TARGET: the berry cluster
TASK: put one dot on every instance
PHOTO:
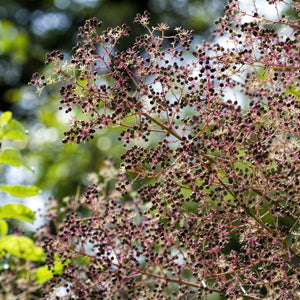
(217, 208)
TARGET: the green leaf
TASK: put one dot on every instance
(5, 117)
(13, 130)
(43, 273)
(191, 206)
(22, 247)
(17, 211)
(293, 90)
(46, 272)
(20, 191)
(3, 228)
(12, 156)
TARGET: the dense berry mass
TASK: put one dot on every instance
(217, 208)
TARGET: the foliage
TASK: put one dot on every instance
(218, 206)
(17, 252)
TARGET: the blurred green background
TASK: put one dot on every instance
(28, 30)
